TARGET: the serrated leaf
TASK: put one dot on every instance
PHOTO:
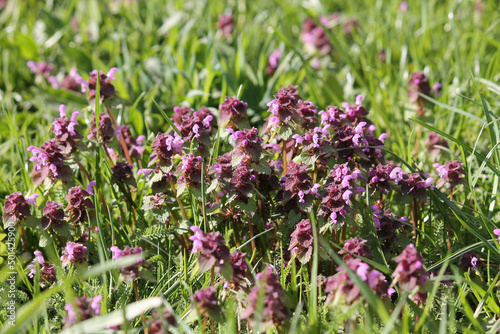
(250, 207)
(237, 158)
(285, 132)
(212, 186)
(44, 239)
(263, 167)
(307, 159)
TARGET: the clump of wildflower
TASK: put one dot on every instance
(106, 129)
(73, 253)
(315, 142)
(47, 271)
(433, 141)
(190, 173)
(107, 89)
(53, 216)
(49, 162)
(240, 271)
(241, 184)
(342, 286)
(340, 186)
(213, 251)
(355, 246)
(131, 272)
(206, 303)
(223, 168)
(81, 309)
(301, 242)
(307, 110)
(469, 260)
(315, 37)
(122, 172)
(72, 81)
(233, 113)
(355, 113)
(164, 148)
(451, 172)
(410, 273)
(380, 178)
(418, 84)
(387, 225)
(79, 203)
(333, 116)
(283, 111)
(42, 68)
(274, 311)
(134, 145)
(413, 184)
(247, 147)
(17, 208)
(298, 190)
(161, 322)
(273, 62)
(226, 24)
(64, 129)
(180, 113)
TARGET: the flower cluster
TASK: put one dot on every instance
(49, 162)
(71, 81)
(213, 251)
(47, 271)
(233, 113)
(107, 89)
(131, 272)
(134, 145)
(164, 148)
(122, 172)
(274, 311)
(66, 134)
(273, 62)
(247, 147)
(387, 226)
(81, 309)
(412, 184)
(53, 216)
(240, 272)
(17, 208)
(189, 173)
(298, 190)
(283, 110)
(106, 129)
(418, 84)
(73, 253)
(79, 203)
(226, 24)
(410, 273)
(355, 247)
(451, 172)
(301, 242)
(161, 322)
(206, 303)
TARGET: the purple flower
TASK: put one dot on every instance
(410, 273)
(213, 250)
(241, 184)
(106, 129)
(233, 113)
(131, 272)
(180, 113)
(403, 6)
(302, 241)
(206, 303)
(240, 272)
(53, 216)
(387, 226)
(86, 308)
(16, 208)
(418, 83)
(42, 68)
(107, 89)
(497, 233)
(274, 310)
(47, 271)
(247, 147)
(189, 173)
(433, 141)
(451, 172)
(298, 190)
(73, 253)
(122, 172)
(49, 162)
(436, 89)
(273, 62)
(226, 24)
(315, 37)
(380, 178)
(79, 203)
(164, 148)
(413, 184)
(283, 109)
(468, 261)
(64, 129)
(135, 147)
(355, 246)
(161, 322)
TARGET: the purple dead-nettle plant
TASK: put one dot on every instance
(74, 253)
(226, 24)
(54, 218)
(164, 148)
(469, 260)
(380, 179)
(342, 286)
(298, 190)
(130, 273)
(233, 113)
(350, 140)
(107, 89)
(205, 302)
(213, 251)
(284, 113)
(412, 184)
(410, 274)
(242, 184)
(194, 127)
(274, 310)
(180, 113)
(355, 113)
(333, 116)
(273, 62)
(314, 144)
(79, 203)
(122, 172)
(241, 274)
(17, 208)
(247, 147)
(134, 146)
(419, 84)
(189, 173)
(315, 37)
(387, 225)
(81, 309)
(307, 110)
(355, 246)
(161, 322)
(223, 169)
(434, 144)
(106, 129)
(67, 137)
(49, 163)
(72, 81)
(451, 172)
(301, 243)
(42, 68)
(339, 187)
(47, 271)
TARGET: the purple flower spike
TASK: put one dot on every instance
(302, 241)
(213, 251)
(16, 208)
(206, 303)
(47, 271)
(107, 89)
(73, 253)
(451, 172)
(86, 308)
(132, 272)
(233, 113)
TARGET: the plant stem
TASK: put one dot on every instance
(285, 157)
(184, 213)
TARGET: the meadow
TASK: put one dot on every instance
(249, 166)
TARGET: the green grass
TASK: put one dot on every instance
(169, 53)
